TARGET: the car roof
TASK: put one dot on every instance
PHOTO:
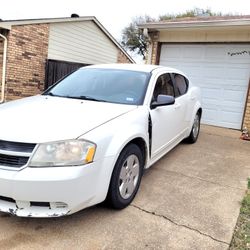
(134, 67)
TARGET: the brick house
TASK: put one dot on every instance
(215, 53)
(41, 51)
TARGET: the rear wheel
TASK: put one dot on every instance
(126, 177)
(192, 138)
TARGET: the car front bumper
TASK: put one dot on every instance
(54, 191)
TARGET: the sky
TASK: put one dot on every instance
(113, 14)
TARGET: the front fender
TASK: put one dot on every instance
(112, 137)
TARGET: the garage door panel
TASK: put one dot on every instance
(230, 119)
(192, 54)
(222, 72)
(171, 63)
(239, 59)
(234, 108)
(238, 53)
(209, 116)
(237, 73)
(211, 94)
(213, 71)
(234, 96)
(215, 53)
(173, 52)
(221, 118)
(238, 84)
(192, 69)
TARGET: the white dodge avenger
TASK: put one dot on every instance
(89, 137)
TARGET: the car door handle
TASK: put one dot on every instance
(177, 106)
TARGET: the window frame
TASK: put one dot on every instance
(171, 78)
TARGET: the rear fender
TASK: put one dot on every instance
(195, 97)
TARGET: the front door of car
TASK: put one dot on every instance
(165, 119)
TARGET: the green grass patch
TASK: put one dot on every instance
(245, 205)
(241, 236)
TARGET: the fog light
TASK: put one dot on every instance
(54, 205)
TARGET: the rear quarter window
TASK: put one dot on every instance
(181, 84)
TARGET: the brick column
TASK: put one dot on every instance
(155, 52)
(155, 47)
(246, 122)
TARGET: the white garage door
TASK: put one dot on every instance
(222, 71)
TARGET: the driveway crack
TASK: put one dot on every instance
(179, 225)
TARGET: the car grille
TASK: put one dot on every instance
(17, 146)
(15, 155)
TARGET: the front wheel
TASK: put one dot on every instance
(126, 177)
(192, 138)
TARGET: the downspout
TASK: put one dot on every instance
(4, 68)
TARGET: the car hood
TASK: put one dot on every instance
(44, 118)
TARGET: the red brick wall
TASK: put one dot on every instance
(121, 58)
(26, 57)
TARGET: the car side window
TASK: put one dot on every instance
(181, 84)
(163, 86)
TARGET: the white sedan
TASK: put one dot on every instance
(89, 137)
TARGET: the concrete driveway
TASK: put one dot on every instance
(188, 200)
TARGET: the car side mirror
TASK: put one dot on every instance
(162, 100)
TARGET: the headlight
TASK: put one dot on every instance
(63, 153)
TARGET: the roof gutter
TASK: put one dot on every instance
(195, 24)
(4, 68)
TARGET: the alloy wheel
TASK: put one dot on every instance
(129, 176)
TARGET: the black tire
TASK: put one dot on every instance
(114, 198)
(194, 134)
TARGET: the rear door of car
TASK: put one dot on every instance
(182, 100)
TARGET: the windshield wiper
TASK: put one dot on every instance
(51, 94)
(85, 97)
(82, 97)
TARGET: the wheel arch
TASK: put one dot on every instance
(142, 145)
(140, 142)
(199, 111)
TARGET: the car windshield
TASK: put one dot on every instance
(107, 85)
